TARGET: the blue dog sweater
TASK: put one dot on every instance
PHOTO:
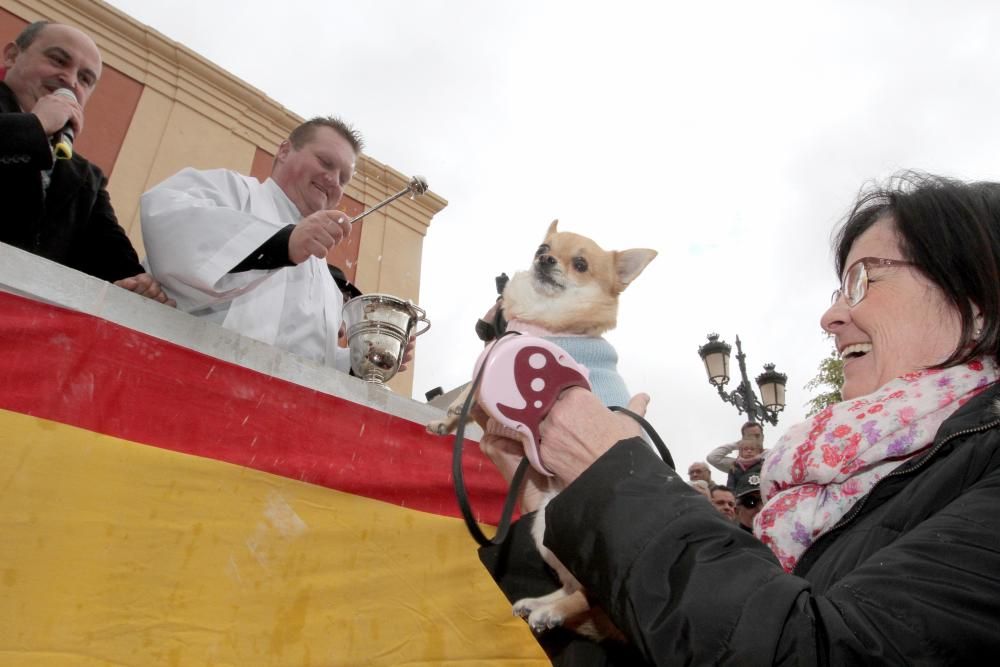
(601, 359)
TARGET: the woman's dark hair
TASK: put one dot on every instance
(951, 231)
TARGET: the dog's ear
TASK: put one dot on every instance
(552, 228)
(630, 263)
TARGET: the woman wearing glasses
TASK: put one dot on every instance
(880, 530)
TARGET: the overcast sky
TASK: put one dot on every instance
(729, 136)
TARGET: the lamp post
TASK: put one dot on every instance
(715, 355)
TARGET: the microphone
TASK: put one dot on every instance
(63, 146)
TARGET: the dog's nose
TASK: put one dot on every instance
(546, 259)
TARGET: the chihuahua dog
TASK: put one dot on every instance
(570, 296)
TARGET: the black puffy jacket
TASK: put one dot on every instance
(910, 576)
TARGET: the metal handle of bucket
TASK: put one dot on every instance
(421, 317)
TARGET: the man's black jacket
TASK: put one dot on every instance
(72, 222)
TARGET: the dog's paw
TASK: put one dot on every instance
(437, 428)
(540, 614)
(523, 607)
(545, 618)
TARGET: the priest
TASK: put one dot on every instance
(251, 256)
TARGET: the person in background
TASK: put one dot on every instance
(750, 455)
(879, 538)
(748, 502)
(59, 209)
(724, 501)
(699, 470)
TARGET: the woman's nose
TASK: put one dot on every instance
(836, 315)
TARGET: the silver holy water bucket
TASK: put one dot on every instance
(378, 328)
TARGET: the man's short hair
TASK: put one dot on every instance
(30, 34)
(721, 487)
(743, 429)
(303, 134)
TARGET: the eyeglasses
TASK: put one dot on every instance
(855, 286)
(749, 501)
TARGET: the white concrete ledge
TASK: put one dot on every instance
(40, 279)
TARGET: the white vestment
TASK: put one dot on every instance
(198, 225)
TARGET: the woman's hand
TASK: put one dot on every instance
(579, 429)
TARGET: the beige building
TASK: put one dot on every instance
(161, 107)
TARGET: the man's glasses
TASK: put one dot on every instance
(749, 501)
(855, 286)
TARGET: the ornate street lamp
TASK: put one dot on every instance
(715, 355)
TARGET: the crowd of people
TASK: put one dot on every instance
(739, 498)
(867, 534)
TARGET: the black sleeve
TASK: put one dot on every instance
(687, 587)
(23, 144)
(272, 254)
(672, 573)
(103, 249)
(74, 223)
(24, 154)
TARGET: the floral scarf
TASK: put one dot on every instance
(822, 466)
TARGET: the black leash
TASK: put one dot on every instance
(661, 447)
(459, 478)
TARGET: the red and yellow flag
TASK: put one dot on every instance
(160, 506)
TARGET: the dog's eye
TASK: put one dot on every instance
(580, 264)
(542, 249)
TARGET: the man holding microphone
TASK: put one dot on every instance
(59, 208)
